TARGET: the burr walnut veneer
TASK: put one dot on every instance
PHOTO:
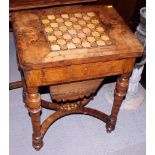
(72, 49)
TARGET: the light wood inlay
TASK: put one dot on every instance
(75, 31)
(51, 17)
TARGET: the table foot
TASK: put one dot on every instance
(110, 126)
(37, 143)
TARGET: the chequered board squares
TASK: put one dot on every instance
(74, 31)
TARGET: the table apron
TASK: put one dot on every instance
(65, 74)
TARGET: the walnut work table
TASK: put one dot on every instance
(72, 49)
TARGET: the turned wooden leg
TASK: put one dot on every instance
(34, 107)
(120, 92)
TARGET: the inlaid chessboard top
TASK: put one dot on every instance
(75, 31)
(71, 35)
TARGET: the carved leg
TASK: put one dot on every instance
(34, 107)
(120, 92)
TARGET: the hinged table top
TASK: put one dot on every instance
(73, 34)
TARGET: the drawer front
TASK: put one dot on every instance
(57, 75)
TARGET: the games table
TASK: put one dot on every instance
(71, 49)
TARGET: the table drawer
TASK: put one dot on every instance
(82, 71)
(65, 74)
